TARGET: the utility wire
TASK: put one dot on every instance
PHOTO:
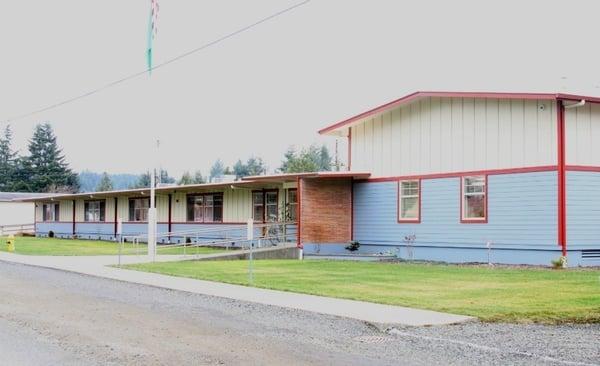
(163, 64)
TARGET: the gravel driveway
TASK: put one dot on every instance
(54, 317)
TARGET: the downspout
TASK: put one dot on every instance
(562, 181)
(349, 148)
(73, 219)
(169, 223)
(299, 214)
(116, 228)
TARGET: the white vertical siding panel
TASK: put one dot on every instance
(378, 145)
(109, 213)
(554, 131)
(369, 145)
(396, 142)
(468, 134)
(123, 208)
(530, 137)
(517, 131)
(39, 214)
(436, 135)
(480, 134)
(595, 134)
(80, 211)
(405, 140)
(179, 213)
(415, 137)
(440, 135)
(457, 135)
(584, 133)
(386, 157)
(425, 144)
(356, 153)
(504, 134)
(571, 136)
(446, 128)
(65, 210)
(162, 208)
(544, 132)
(492, 131)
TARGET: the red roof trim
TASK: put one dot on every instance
(423, 94)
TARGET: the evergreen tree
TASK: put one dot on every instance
(105, 183)
(165, 178)
(217, 169)
(8, 161)
(143, 181)
(256, 166)
(240, 169)
(21, 178)
(253, 166)
(311, 159)
(324, 159)
(199, 178)
(46, 166)
(186, 178)
(288, 157)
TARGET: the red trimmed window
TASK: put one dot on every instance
(265, 206)
(50, 212)
(138, 209)
(409, 201)
(94, 211)
(205, 207)
(474, 198)
(292, 204)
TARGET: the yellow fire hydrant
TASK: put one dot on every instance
(10, 243)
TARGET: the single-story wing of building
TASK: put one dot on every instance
(17, 216)
(443, 176)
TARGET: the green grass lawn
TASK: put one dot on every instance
(490, 293)
(47, 246)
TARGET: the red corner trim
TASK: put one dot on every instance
(562, 200)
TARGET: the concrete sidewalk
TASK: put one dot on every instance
(360, 310)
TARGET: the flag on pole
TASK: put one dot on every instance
(152, 30)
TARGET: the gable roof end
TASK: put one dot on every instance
(336, 127)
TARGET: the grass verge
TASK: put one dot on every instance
(53, 246)
(493, 294)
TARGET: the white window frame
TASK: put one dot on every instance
(53, 217)
(464, 194)
(402, 196)
(95, 212)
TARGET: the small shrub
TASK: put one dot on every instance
(353, 246)
(560, 262)
(51, 234)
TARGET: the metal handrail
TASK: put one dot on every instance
(16, 229)
(280, 237)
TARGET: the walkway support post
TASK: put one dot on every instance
(250, 237)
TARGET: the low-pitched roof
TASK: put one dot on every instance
(12, 196)
(247, 182)
(332, 129)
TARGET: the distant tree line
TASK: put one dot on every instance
(43, 169)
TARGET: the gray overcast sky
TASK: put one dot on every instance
(276, 84)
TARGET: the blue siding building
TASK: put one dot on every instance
(476, 177)
(442, 176)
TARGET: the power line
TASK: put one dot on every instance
(165, 63)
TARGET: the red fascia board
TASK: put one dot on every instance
(582, 168)
(573, 97)
(533, 169)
